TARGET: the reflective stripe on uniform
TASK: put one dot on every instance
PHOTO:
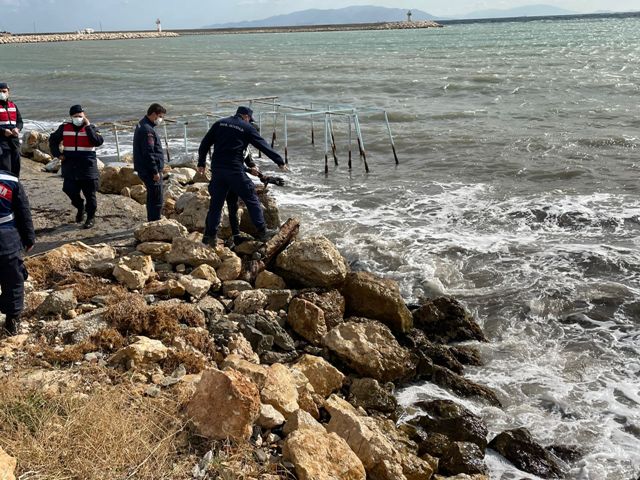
(7, 219)
(8, 178)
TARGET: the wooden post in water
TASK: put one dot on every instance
(333, 142)
(393, 145)
(363, 153)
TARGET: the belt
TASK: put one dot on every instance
(7, 219)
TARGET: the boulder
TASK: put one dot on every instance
(81, 328)
(307, 320)
(183, 175)
(368, 394)
(207, 272)
(53, 166)
(278, 299)
(256, 373)
(113, 179)
(7, 466)
(312, 262)
(300, 420)
(235, 286)
(250, 301)
(269, 325)
(143, 351)
(171, 288)
(134, 271)
(280, 389)
(156, 250)
(211, 306)
(190, 161)
(195, 287)
(163, 230)
(230, 269)
(323, 376)
(322, 456)
(191, 252)
(521, 449)
(370, 349)
(332, 304)
(270, 281)
(41, 157)
(270, 417)
(308, 399)
(139, 194)
(225, 406)
(30, 141)
(80, 255)
(463, 457)
(191, 211)
(370, 296)
(461, 386)
(270, 211)
(58, 303)
(445, 320)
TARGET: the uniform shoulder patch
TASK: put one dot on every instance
(6, 193)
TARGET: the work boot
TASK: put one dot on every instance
(11, 324)
(80, 215)
(210, 241)
(91, 221)
(238, 239)
(266, 234)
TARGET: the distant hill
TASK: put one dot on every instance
(526, 11)
(355, 14)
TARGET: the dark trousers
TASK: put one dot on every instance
(12, 277)
(154, 198)
(232, 207)
(88, 188)
(224, 182)
(10, 159)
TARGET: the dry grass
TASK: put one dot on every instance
(47, 270)
(192, 362)
(85, 286)
(69, 354)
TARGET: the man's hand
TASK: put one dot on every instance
(284, 168)
(156, 177)
(61, 157)
(85, 121)
(201, 170)
(15, 132)
(255, 171)
(7, 132)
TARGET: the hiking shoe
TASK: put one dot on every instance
(91, 221)
(210, 241)
(80, 215)
(11, 324)
(266, 234)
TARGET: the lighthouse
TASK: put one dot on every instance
(409, 16)
(159, 25)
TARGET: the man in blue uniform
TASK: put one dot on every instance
(10, 126)
(148, 158)
(230, 137)
(79, 162)
(16, 234)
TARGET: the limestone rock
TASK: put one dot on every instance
(307, 320)
(156, 250)
(445, 320)
(163, 230)
(58, 303)
(313, 262)
(211, 306)
(183, 175)
(308, 399)
(239, 345)
(368, 394)
(322, 456)
(207, 272)
(139, 194)
(191, 252)
(370, 349)
(280, 389)
(114, 179)
(142, 351)
(373, 297)
(171, 288)
(195, 287)
(270, 417)
(53, 166)
(324, 377)
(134, 271)
(225, 406)
(300, 420)
(250, 301)
(41, 157)
(10, 345)
(271, 281)
(7, 466)
(230, 269)
(270, 211)
(235, 286)
(256, 373)
(332, 304)
(81, 328)
(278, 299)
(191, 211)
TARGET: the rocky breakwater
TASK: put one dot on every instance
(275, 349)
(70, 37)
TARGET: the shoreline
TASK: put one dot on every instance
(73, 37)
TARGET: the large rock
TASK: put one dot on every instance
(271, 281)
(114, 179)
(322, 456)
(445, 320)
(370, 349)
(520, 448)
(332, 304)
(183, 175)
(7, 466)
(143, 351)
(370, 296)
(300, 420)
(231, 266)
(195, 287)
(156, 250)
(41, 157)
(207, 272)
(280, 390)
(250, 301)
(58, 303)
(191, 211)
(139, 194)
(192, 252)
(81, 328)
(270, 211)
(307, 320)
(80, 255)
(463, 457)
(313, 262)
(163, 230)
(462, 386)
(270, 417)
(324, 377)
(368, 394)
(134, 271)
(225, 406)
(256, 373)
(171, 288)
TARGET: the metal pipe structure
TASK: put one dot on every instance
(275, 123)
(334, 150)
(393, 145)
(326, 144)
(350, 141)
(115, 132)
(286, 141)
(363, 153)
(186, 137)
(313, 135)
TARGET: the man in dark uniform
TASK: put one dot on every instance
(230, 137)
(16, 234)
(79, 162)
(10, 126)
(148, 158)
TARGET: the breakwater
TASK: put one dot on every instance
(71, 37)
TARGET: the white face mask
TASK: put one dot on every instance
(159, 120)
(4, 97)
(77, 121)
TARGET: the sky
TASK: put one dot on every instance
(21, 16)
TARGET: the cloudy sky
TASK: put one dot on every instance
(64, 15)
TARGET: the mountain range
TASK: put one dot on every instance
(372, 14)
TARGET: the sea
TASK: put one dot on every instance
(517, 189)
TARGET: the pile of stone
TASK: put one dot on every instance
(68, 37)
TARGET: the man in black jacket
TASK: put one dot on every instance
(10, 126)
(148, 158)
(230, 137)
(16, 234)
(79, 162)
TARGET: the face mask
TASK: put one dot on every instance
(3, 97)
(77, 121)
(159, 120)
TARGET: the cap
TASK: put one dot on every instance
(76, 109)
(245, 111)
(3, 85)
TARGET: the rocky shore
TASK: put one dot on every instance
(70, 37)
(146, 354)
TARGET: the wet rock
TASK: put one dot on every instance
(368, 394)
(164, 230)
(134, 271)
(461, 386)
(256, 373)
(323, 376)
(191, 252)
(374, 297)
(370, 349)
(322, 456)
(467, 355)
(7, 466)
(417, 341)
(312, 262)
(156, 250)
(114, 179)
(250, 301)
(331, 302)
(143, 351)
(207, 272)
(445, 320)
(567, 453)
(195, 287)
(520, 448)
(307, 320)
(225, 406)
(58, 303)
(270, 417)
(453, 420)
(280, 390)
(462, 457)
(271, 281)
